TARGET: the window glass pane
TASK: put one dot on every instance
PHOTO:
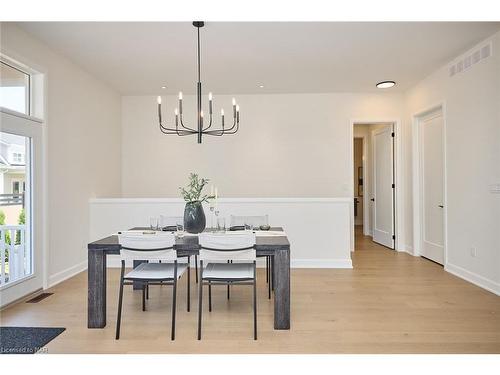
(15, 208)
(14, 89)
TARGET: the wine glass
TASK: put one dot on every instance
(153, 223)
(179, 228)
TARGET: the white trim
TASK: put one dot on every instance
(66, 274)
(221, 200)
(22, 115)
(114, 262)
(473, 278)
(399, 170)
(416, 179)
(18, 281)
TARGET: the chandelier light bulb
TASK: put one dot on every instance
(180, 95)
(234, 102)
(201, 113)
(158, 99)
(237, 108)
(176, 111)
(222, 112)
(209, 96)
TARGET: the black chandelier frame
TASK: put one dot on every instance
(184, 130)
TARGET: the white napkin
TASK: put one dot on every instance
(270, 233)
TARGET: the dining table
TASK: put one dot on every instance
(274, 244)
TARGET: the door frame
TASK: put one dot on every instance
(417, 179)
(398, 176)
(32, 127)
(366, 212)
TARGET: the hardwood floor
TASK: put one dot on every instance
(389, 303)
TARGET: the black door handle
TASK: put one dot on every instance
(440, 206)
(373, 199)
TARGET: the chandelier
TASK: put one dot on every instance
(202, 128)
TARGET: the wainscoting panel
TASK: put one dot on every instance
(318, 228)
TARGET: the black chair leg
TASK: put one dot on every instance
(200, 302)
(267, 269)
(271, 272)
(174, 305)
(269, 289)
(144, 297)
(188, 287)
(210, 296)
(228, 292)
(196, 267)
(254, 304)
(120, 301)
(147, 291)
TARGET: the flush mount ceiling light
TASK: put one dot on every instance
(200, 129)
(385, 84)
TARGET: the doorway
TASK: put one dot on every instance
(375, 187)
(21, 185)
(429, 192)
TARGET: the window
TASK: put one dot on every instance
(17, 157)
(14, 89)
(15, 187)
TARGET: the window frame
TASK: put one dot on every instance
(27, 94)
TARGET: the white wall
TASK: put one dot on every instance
(294, 145)
(82, 119)
(472, 115)
(318, 228)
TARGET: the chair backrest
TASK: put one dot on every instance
(170, 221)
(147, 246)
(254, 221)
(227, 246)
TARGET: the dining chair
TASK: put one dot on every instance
(255, 222)
(220, 247)
(170, 223)
(154, 247)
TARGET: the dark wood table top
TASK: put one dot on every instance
(190, 243)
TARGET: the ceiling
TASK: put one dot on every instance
(138, 58)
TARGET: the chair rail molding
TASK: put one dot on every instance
(318, 228)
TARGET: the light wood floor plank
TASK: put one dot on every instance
(389, 303)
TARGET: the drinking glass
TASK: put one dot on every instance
(221, 224)
(179, 226)
(248, 226)
(153, 223)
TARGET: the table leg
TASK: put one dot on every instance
(281, 273)
(96, 313)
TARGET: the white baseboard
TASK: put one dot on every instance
(408, 249)
(473, 278)
(67, 273)
(321, 263)
(114, 262)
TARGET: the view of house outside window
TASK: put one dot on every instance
(12, 199)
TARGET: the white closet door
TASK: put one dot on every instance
(383, 198)
(432, 187)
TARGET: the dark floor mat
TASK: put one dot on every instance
(26, 340)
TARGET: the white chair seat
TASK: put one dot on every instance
(228, 271)
(156, 271)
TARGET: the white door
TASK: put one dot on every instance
(383, 188)
(21, 234)
(431, 162)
